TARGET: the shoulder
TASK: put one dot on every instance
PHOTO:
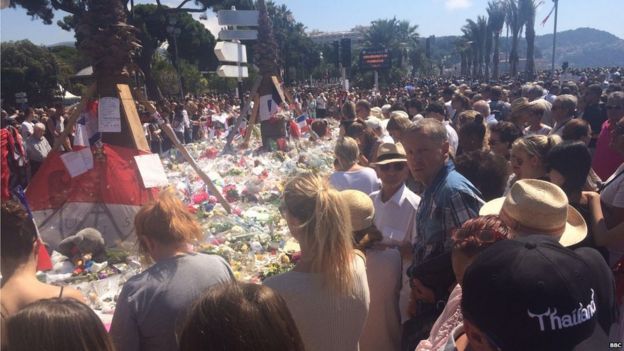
(411, 197)
(74, 294)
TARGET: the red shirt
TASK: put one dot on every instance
(606, 160)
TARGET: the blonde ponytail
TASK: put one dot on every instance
(325, 227)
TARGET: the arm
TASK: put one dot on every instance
(602, 235)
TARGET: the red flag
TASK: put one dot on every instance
(548, 16)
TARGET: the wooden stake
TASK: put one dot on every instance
(243, 113)
(170, 133)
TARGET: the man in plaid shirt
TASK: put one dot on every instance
(448, 201)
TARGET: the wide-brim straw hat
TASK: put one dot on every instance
(361, 209)
(390, 153)
(537, 207)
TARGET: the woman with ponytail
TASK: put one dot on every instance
(327, 291)
(153, 304)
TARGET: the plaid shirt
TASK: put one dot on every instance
(446, 204)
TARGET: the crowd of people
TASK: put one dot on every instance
(459, 216)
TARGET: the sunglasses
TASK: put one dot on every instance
(614, 107)
(397, 166)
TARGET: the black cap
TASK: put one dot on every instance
(534, 294)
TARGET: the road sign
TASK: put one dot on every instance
(229, 52)
(238, 35)
(228, 71)
(238, 18)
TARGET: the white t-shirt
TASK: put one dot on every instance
(382, 330)
(452, 136)
(613, 195)
(28, 128)
(364, 180)
(326, 320)
(395, 219)
(321, 103)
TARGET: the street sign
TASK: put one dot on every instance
(228, 71)
(229, 52)
(238, 34)
(238, 17)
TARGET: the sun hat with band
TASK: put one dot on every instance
(361, 209)
(390, 153)
(534, 294)
(538, 207)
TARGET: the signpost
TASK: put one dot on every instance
(234, 51)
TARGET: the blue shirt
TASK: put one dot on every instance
(446, 204)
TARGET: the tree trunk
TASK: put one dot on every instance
(513, 56)
(475, 63)
(462, 66)
(104, 36)
(495, 59)
(530, 39)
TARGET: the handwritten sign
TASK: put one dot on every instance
(109, 117)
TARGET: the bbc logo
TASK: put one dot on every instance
(615, 345)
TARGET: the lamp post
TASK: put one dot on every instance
(175, 32)
(554, 37)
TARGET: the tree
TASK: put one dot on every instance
(102, 33)
(514, 23)
(527, 10)
(28, 68)
(496, 21)
(297, 53)
(396, 36)
(69, 61)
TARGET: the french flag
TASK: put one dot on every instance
(302, 122)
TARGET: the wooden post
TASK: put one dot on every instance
(252, 121)
(74, 117)
(132, 117)
(170, 133)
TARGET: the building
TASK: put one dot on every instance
(356, 35)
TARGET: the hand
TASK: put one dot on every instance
(589, 198)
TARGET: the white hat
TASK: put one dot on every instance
(373, 122)
(537, 207)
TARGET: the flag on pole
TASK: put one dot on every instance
(548, 16)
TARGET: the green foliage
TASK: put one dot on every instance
(69, 61)
(194, 82)
(166, 76)
(29, 68)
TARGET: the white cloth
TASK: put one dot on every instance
(395, 219)
(386, 138)
(327, 321)
(37, 150)
(382, 330)
(452, 137)
(364, 180)
(27, 129)
(449, 109)
(544, 130)
(613, 196)
(321, 103)
(491, 120)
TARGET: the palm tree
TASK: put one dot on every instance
(527, 10)
(482, 34)
(394, 35)
(514, 23)
(496, 21)
(462, 46)
(475, 32)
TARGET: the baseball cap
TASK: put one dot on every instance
(534, 294)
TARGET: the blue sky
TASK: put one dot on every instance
(433, 17)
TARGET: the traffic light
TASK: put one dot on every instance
(345, 52)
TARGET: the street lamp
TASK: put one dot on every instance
(175, 32)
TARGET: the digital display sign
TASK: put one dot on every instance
(375, 59)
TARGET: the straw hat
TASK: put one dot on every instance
(537, 207)
(376, 112)
(389, 153)
(361, 208)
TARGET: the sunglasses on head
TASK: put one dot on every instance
(397, 166)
